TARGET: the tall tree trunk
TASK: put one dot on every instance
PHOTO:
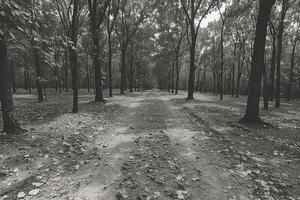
(172, 76)
(278, 58)
(28, 82)
(66, 71)
(88, 77)
(38, 73)
(273, 64)
(289, 86)
(214, 84)
(73, 56)
(192, 65)
(131, 71)
(177, 72)
(13, 77)
(233, 70)
(109, 65)
(222, 62)
(204, 80)
(123, 68)
(265, 89)
(10, 125)
(97, 68)
(257, 65)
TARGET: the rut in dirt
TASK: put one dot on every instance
(152, 170)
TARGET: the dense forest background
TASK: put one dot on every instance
(132, 45)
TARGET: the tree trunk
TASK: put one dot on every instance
(222, 62)
(257, 65)
(233, 70)
(10, 125)
(73, 56)
(265, 89)
(66, 71)
(214, 87)
(273, 64)
(38, 72)
(192, 65)
(131, 72)
(123, 68)
(109, 65)
(13, 77)
(289, 86)
(172, 76)
(177, 72)
(278, 58)
(28, 82)
(88, 77)
(97, 67)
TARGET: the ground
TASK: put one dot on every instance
(150, 145)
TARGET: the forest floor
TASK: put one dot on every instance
(150, 145)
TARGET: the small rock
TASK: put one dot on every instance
(34, 192)
(21, 195)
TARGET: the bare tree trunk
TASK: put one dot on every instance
(289, 86)
(109, 65)
(172, 76)
(66, 71)
(233, 70)
(123, 69)
(273, 64)
(279, 51)
(192, 65)
(10, 125)
(73, 56)
(257, 65)
(13, 77)
(131, 71)
(265, 89)
(177, 72)
(222, 62)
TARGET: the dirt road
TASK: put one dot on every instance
(155, 150)
(150, 145)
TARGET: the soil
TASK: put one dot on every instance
(150, 145)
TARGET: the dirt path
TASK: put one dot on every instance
(149, 146)
(151, 149)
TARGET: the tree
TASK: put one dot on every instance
(113, 10)
(69, 12)
(257, 66)
(195, 11)
(10, 11)
(284, 8)
(132, 15)
(97, 13)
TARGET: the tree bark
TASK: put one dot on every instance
(289, 86)
(265, 89)
(10, 125)
(123, 68)
(257, 65)
(109, 65)
(191, 85)
(279, 51)
(222, 61)
(131, 71)
(73, 56)
(172, 76)
(273, 64)
(66, 71)
(233, 70)
(177, 72)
